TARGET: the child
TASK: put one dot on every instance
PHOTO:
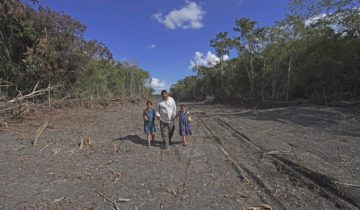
(184, 123)
(149, 122)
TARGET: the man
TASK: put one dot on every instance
(165, 112)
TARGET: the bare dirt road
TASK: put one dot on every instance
(285, 158)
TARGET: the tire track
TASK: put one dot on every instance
(208, 179)
(327, 188)
(243, 172)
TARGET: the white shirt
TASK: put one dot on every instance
(166, 109)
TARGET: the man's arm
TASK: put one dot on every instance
(174, 109)
(157, 110)
(177, 115)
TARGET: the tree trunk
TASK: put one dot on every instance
(199, 83)
(131, 85)
(263, 81)
(222, 74)
(324, 96)
(252, 75)
(49, 98)
(274, 80)
(289, 79)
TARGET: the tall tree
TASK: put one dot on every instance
(248, 44)
(222, 45)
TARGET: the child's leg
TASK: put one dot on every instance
(149, 138)
(153, 137)
(184, 139)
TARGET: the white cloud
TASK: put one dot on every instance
(153, 46)
(158, 85)
(208, 60)
(188, 17)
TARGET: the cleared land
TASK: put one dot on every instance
(300, 157)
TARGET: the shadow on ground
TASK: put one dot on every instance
(138, 140)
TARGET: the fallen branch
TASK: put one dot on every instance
(58, 200)
(22, 147)
(21, 110)
(115, 148)
(108, 199)
(81, 142)
(276, 152)
(3, 123)
(34, 93)
(56, 151)
(84, 140)
(44, 148)
(39, 131)
(260, 207)
(347, 184)
(7, 109)
(123, 199)
(117, 174)
(161, 206)
(171, 190)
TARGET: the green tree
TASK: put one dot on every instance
(222, 45)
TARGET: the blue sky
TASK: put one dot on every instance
(162, 36)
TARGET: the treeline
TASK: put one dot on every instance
(312, 54)
(45, 46)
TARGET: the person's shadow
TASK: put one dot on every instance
(138, 140)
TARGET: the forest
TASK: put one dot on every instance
(43, 48)
(313, 54)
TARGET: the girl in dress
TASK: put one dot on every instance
(149, 122)
(184, 124)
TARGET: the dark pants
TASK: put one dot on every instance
(167, 131)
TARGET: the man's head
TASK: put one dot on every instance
(164, 95)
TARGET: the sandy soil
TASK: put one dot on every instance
(285, 158)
